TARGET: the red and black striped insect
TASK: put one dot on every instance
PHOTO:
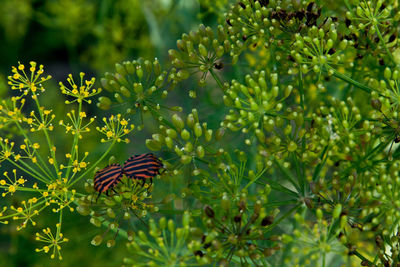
(144, 166)
(107, 178)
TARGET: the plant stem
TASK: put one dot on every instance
(217, 79)
(94, 165)
(346, 78)
(378, 32)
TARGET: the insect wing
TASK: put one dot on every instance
(107, 178)
(142, 166)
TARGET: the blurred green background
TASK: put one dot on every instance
(69, 36)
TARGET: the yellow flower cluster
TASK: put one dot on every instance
(53, 241)
(28, 83)
(115, 128)
(38, 160)
(79, 92)
(11, 186)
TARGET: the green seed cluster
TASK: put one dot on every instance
(129, 199)
(234, 230)
(201, 52)
(166, 244)
(190, 140)
(141, 83)
(254, 105)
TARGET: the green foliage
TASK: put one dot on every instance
(278, 130)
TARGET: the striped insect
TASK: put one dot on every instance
(144, 166)
(107, 178)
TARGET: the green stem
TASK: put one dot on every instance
(384, 44)
(47, 172)
(217, 79)
(93, 166)
(346, 78)
(361, 257)
(49, 143)
(301, 90)
(75, 142)
(24, 189)
(27, 171)
(287, 214)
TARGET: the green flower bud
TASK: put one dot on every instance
(110, 213)
(219, 134)
(171, 133)
(118, 97)
(186, 219)
(139, 72)
(337, 211)
(171, 225)
(178, 122)
(126, 216)
(158, 137)
(125, 91)
(95, 221)
(200, 151)
(180, 232)
(190, 120)
(387, 73)
(110, 243)
(188, 147)
(292, 146)
(162, 223)
(183, 74)
(185, 159)
(208, 135)
(142, 236)
(153, 145)
(197, 130)
(185, 134)
(288, 90)
(169, 142)
(203, 50)
(138, 88)
(120, 69)
(96, 241)
(260, 135)
(319, 214)
(109, 202)
(83, 210)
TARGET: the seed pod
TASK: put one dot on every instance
(96, 241)
(376, 104)
(83, 210)
(337, 210)
(185, 134)
(153, 145)
(267, 220)
(178, 122)
(209, 211)
(95, 221)
(203, 50)
(200, 151)
(185, 159)
(197, 130)
(110, 213)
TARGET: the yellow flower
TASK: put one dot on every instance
(36, 146)
(12, 189)
(2, 182)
